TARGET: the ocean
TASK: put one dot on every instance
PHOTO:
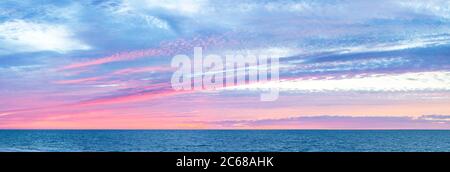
(224, 140)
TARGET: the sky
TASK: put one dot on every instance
(95, 64)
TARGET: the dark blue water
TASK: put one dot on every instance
(224, 140)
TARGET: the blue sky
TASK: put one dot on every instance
(106, 64)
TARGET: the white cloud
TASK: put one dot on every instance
(154, 21)
(417, 81)
(24, 36)
(185, 7)
(439, 8)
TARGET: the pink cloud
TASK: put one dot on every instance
(142, 70)
(166, 49)
(136, 97)
(78, 81)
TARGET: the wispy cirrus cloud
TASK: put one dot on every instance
(63, 59)
(420, 81)
(166, 49)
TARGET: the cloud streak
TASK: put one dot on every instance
(83, 64)
(342, 122)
